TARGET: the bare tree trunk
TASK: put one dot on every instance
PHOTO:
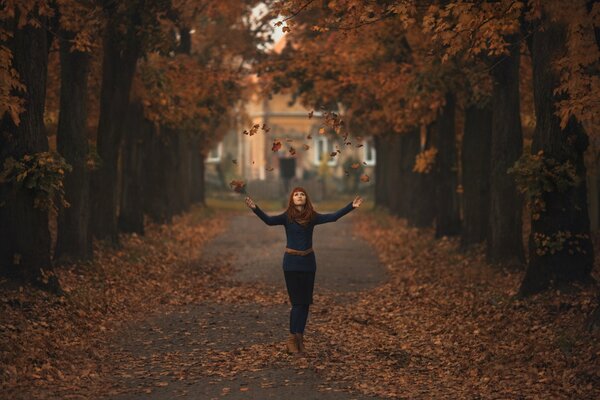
(74, 241)
(121, 51)
(394, 173)
(131, 211)
(447, 209)
(197, 172)
(381, 199)
(423, 205)
(505, 244)
(476, 174)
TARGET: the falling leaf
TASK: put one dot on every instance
(276, 145)
(286, 29)
(237, 185)
(359, 145)
(234, 161)
(309, 136)
(321, 131)
(364, 178)
(292, 151)
(305, 146)
(310, 114)
(333, 153)
(355, 165)
(269, 168)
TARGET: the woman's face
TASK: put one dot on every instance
(299, 198)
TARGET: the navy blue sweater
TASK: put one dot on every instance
(299, 237)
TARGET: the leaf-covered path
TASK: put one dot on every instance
(197, 309)
(232, 344)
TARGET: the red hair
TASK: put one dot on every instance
(305, 216)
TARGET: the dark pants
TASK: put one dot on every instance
(298, 317)
(300, 290)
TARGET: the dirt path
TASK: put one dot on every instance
(231, 346)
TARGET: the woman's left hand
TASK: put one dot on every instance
(356, 202)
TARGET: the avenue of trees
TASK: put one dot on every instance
(496, 101)
(108, 109)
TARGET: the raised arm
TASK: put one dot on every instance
(331, 217)
(270, 220)
(275, 220)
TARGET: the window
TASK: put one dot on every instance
(369, 154)
(323, 147)
(215, 153)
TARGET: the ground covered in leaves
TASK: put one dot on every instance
(443, 325)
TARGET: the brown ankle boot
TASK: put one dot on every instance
(300, 340)
(292, 343)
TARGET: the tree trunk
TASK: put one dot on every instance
(121, 52)
(197, 173)
(476, 174)
(131, 211)
(181, 172)
(422, 213)
(74, 241)
(446, 179)
(156, 176)
(505, 244)
(566, 212)
(24, 234)
(409, 147)
(380, 172)
(394, 173)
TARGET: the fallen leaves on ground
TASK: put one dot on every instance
(444, 325)
(52, 346)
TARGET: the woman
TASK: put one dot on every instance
(299, 264)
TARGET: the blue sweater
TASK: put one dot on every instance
(299, 237)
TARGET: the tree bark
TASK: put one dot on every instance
(409, 148)
(74, 241)
(566, 211)
(505, 244)
(197, 173)
(121, 51)
(476, 174)
(24, 234)
(380, 172)
(422, 213)
(156, 176)
(131, 211)
(394, 173)
(446, 179)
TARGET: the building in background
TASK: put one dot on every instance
(241, 156)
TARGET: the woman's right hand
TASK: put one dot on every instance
(250, 203)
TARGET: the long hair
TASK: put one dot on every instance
(305, 216)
